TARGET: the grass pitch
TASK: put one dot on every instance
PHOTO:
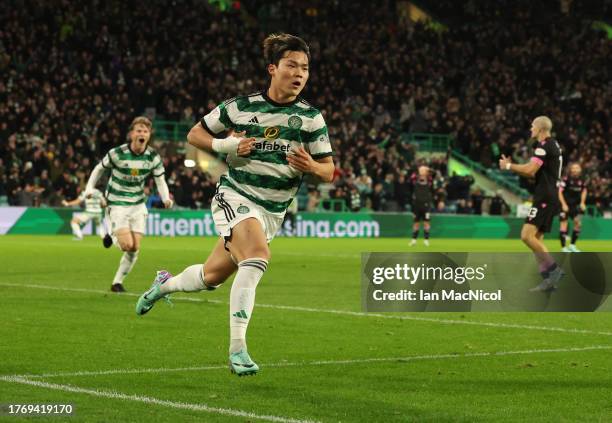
(67, 339)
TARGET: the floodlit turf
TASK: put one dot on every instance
(319, 362)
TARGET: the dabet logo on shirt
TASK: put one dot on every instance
(266, 146)
(271, 133)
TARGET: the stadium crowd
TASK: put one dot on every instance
(75, 74)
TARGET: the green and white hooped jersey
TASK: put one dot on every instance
(93, 204)
(265, 176)
(128, 174)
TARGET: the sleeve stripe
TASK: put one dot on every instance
(205, 126)
(537, 160)
(322, 155)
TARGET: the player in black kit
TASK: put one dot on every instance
(545, 166)
(572, 195)
(422, 199)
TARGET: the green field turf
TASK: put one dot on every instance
(321, 358)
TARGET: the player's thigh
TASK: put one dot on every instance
(529, 232)
(124, 239)
(248, 240)
(219, 265)
(80, 218)
(119, 218)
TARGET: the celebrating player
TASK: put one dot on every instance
(129, 165)
(281, 138)
(422, 186)
(545, 166)
(572, 195)
(93, 211)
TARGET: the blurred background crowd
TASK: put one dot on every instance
(74, 74)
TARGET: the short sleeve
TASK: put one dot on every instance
(316, 140)
(107, 162)
(218, 120)
(539, 155)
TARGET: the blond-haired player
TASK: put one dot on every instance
(129, 165)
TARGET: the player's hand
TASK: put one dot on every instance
(582, 207)
(64, 203)
(299, 159)
(245, 146)
(504, 162)
(565, 208)
(168, 204)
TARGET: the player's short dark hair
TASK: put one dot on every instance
(275, 46)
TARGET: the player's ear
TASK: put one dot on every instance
(271, 69)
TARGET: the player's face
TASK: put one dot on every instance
(139, 137)
(575, 170)
(534, 130)
(291, 74)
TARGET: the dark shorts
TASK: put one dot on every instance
(541, 215)
(421, 212)
(573, 212)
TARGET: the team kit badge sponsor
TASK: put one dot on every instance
(271, 133)
(295, 122)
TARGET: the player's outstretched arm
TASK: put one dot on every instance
(93, 179)
(163, 190)
(235, 143)
(322, 168)
(71, 203)
(527, 170)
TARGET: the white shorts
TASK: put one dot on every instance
(133, 218)
(230, 208)
(85, 217)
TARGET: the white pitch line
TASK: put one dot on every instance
(339, 312)
(150, 400)
(317, 362)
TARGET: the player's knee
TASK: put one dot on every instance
(526, 237)
(126, 245)
(257, 251)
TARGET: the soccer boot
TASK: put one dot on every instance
(413, 242)
(117, 287)
(555, 276)
(545, 286)
(426, 242)
(241, 364)
(573, 248)
(146, 300)
(566, 250)
(107, 241)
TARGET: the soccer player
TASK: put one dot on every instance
(93, 211)
(422, 184)
(282, 138)
(545, 166)
(129, 165)
(572, 195)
